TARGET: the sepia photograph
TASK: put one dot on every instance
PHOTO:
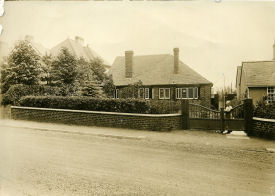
(137, 98)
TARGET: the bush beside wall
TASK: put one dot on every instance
(96, 104)
(15, 92)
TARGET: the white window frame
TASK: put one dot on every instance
(146, 93)
(179, 93)
(164, 93)
(145, 96)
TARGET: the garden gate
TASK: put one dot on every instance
(200, 117)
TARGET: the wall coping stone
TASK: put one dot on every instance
(97, 112)
(264, 119)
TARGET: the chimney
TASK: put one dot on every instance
(274, 51)
(79, 40)
(29, 38)
(129, 64)
(176, 60)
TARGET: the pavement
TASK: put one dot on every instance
(56, 159)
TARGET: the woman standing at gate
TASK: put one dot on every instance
(228, 115)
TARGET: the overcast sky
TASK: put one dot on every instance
(213, 38)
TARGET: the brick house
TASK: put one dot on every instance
(163, 76)
(256, 79)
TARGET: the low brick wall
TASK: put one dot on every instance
(95, 118)
(264, 127)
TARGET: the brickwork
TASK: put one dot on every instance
(105, 119)
(264, 128)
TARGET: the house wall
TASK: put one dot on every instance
(204, 93)
(257, 93)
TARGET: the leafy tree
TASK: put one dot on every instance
(21, 67)
(92, 89)
(108, 86)
(131, 91)
(64, 68)
(46, 66)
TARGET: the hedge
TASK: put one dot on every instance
(264, 110)
(15, 92)
(97, 104)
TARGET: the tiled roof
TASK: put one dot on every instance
(77, 49)
(155, 70)
(259, 73)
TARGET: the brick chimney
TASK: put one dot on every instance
(176, 60)
(129, 64)
(79, 40)
(29, 38)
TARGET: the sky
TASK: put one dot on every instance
(213, 37)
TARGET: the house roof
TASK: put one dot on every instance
(259, 73)
(155, 70)
(78, 50)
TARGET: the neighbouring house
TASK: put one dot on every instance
(256, 79)
(39, 48)
(164, 77)
(78, 49)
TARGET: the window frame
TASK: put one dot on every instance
(194, 89)
(164, 93)
(145, 91)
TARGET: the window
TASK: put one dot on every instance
(184, 93)
(164, 93)
(146, 93)
(116, 95)
(178, 93)
(271, 94)
(143, 93)
(187, 93)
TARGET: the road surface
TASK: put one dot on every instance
(49, 159)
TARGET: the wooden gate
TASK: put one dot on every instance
(200, 117)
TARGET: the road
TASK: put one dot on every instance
(50, 159)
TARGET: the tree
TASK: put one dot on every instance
(21, 67)
(108, 86)
(92, 89)
(64, 68)
(46, 66)
(131, 91)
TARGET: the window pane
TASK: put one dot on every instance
(184, 93)
(141, 93)
(178, 93)
(195, 93)
(190, 93)
(161, 93)
(167, 93)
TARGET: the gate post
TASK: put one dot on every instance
(185, 122)
(222, 120)
(248, 116)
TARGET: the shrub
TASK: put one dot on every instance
(98, 104)
(264, 110)
(15, 92)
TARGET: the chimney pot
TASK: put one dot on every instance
(176, 60)
(129, 64)
(79, 40)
